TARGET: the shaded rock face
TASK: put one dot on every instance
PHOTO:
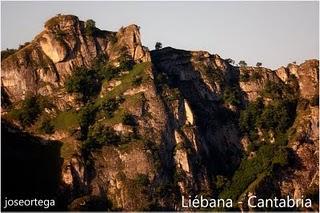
(44, 65)
(303, 177)
(307, 74)
(191, 73)
(308, 78)
(260, 77)
(185, 130)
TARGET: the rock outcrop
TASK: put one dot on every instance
(43, 66)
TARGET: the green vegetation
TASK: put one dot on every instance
(136, 100)
(139, 190)
(215, 76)
(7, 52)
(232, 96)
(99, 136)
(242, 63)
(125, 63)
(116, 118)
(278, 117)
(85, 82)
(96, 135)
(161, 79)
(90, 27)
(279, 91)
(137, 80)
(273, 90)
(245, 76)
(267, 158)
(47, 126)
(142, 180)
(59, 34)
(158, 45)
(127, 80)
(23, 45)
(255, 75)
(221, 182)
(128, 119)
(66, 120)
(110, 106)
(275, 117)
(30, 109)
(87, 117)
(170, 94)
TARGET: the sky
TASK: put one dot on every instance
(274, 33)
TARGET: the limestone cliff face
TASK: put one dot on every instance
(201, 79)
(302, 178)
(42, 66)
(174, 124)
(258, 78)
(308, 78)
(307, 75)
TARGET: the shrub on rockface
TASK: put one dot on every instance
(158, 45)
(110, 106)
(90, 27)
(7, 52)
(249, 117)
(277, 116)
(86, 118)
(126, 63)
(30, 109)
(245, 76)
(272, 90)
(242, 63)
(232, 96)
(85, 82)
(128, 119)
(47, 126)
(142, 180)
(99, 136)
(267, 158)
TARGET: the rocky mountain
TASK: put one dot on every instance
(114, 126)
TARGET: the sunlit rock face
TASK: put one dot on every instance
(43, 65)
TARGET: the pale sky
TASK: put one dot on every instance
(274, 33)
